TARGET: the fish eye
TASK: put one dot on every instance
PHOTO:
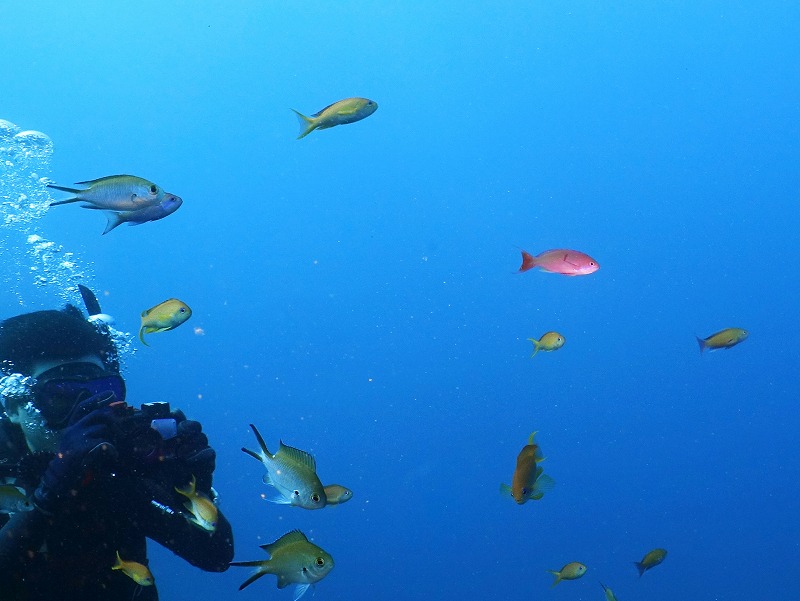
(315, 498)
(153, 189)
(182, 310)
(320, 562)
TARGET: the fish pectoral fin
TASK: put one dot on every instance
(505, 490)
(543, 484)
(300, 590)
(278, 498)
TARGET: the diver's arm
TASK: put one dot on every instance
(162, 522)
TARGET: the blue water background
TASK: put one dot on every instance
(356, 289)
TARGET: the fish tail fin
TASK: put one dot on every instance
(252, 454)
(640, 566)
(188, 490)
(505, 490)
(260, 440)
(118, 563)
(261, 570)
(307, 124)
(74, 198)
(701, 342)
(528, 261)
(114, 219)
(557, 575)
(530, 438)
(535, 346)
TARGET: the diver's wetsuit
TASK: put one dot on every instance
(69, 555)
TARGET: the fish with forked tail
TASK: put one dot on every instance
(292, 472)
(344, 111)
(166, 207)
(294, 560)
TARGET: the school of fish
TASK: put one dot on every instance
(291, 472)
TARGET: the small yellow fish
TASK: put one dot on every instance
(136, 571)
(571, 571)
(337, 494)
(609, 593)
(344, 111)
(550, 341)
(293, 560)
(13, 500)
(528, 482)
(203, 510)
(164, 316)
(650, 560)
(723, 339)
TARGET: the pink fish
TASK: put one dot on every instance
(565, 262)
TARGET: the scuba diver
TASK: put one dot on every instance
(85, 478)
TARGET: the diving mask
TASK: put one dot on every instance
(59, 390)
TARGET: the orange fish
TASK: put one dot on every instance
(528, 481)
(565, 262)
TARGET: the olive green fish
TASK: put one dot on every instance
(344, 111)
(650, 560)
(204, 512)
(13, 500)
(164, 316)
(136, 571)
(571, 571)
(550, 341)
(293, 473)
(293, 560)
(723, 339)
(113, 193)
(336, 494)
(529, 481)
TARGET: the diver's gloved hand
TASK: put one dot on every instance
(193, 451)
(86, 443)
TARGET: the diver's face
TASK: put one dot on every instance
(57, 389)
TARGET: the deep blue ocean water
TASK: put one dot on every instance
(355, 294)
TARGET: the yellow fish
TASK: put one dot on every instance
(550, 341)
(136, 571)
(723, 339)
(293, 560)
(204, 512)
(337, 494)
(164, 316)
(571, 571)
(650, 560)
(344, 111)
(529, 481)
(609, 593)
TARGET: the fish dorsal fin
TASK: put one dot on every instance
(297, 456)
(90, 182)
(295, 536)
(530, 438)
